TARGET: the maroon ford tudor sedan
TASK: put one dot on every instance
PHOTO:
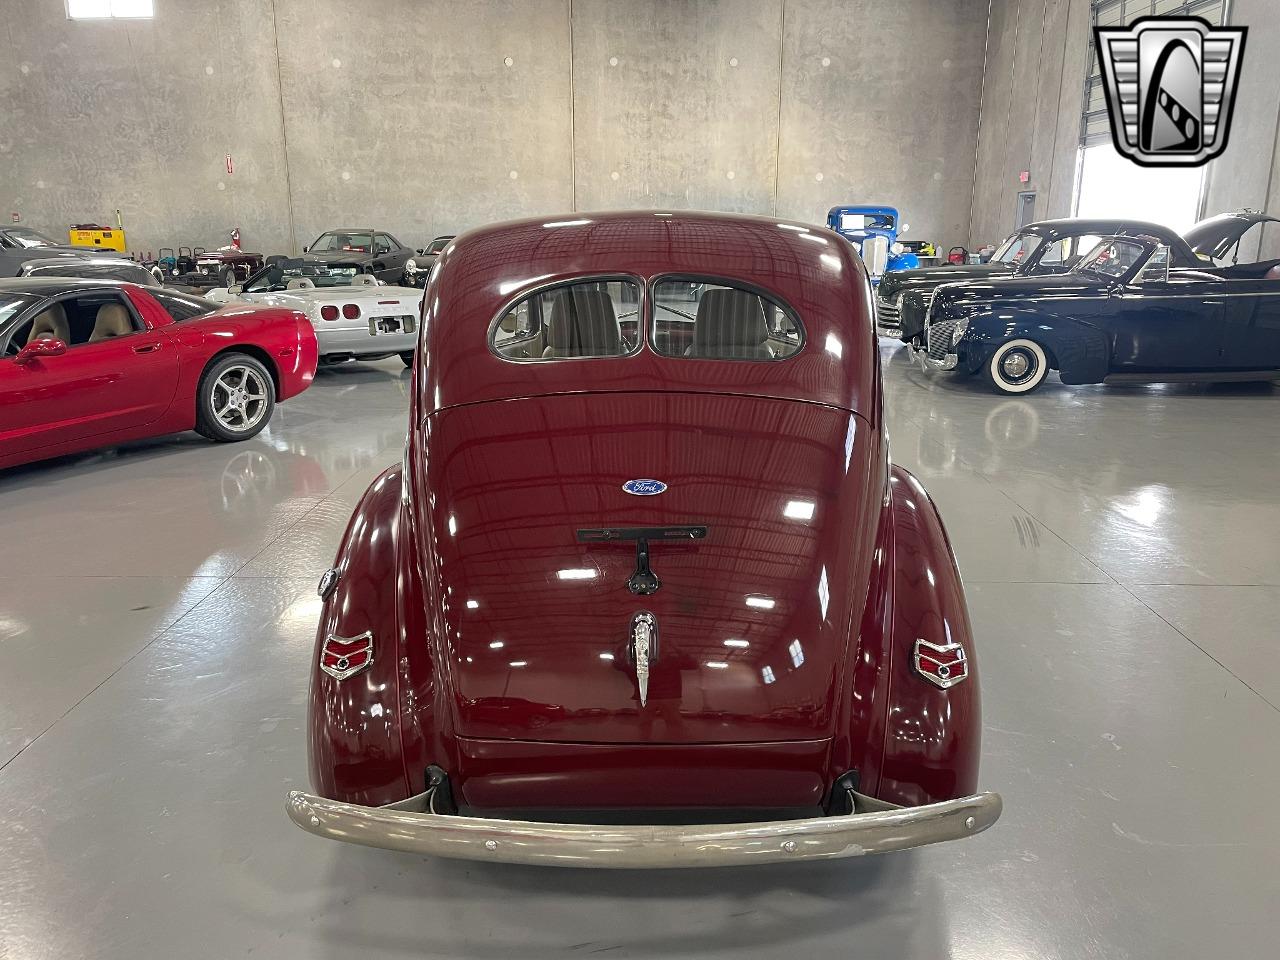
(646, 561)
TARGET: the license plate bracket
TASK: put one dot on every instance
(389, 326)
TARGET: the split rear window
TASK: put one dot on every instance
(689, 318)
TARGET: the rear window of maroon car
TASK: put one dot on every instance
(588, 318)
(690, 317)
(721, 321)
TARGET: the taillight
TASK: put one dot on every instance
(351, 311)
(329, 312)
(942, 665)
(343, 657)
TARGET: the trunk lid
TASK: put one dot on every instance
(1216, 236)
(534, 631)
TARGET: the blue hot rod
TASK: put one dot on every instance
(874, 230)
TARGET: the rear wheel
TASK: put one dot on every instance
(235, 398)
(407, 357)
(1017, 366)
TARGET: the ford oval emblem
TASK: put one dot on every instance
(644, 488)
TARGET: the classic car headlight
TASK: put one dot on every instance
(411, 265)
(897, 248)
(957, 334)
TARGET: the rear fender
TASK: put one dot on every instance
(1079, 350)
(932, 737)
(355, 735)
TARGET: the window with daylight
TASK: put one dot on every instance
(110, 9)
(1109, 184)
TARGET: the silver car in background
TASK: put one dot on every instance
(355, 316)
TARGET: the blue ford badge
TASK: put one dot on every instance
(644, 488)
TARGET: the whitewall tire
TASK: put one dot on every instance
(1017, 366)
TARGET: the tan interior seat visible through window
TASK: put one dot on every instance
(112, 321)
(730, 325)
(50, 323)
(583, 324)
(299, 283)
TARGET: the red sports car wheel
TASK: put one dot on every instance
(236, 398)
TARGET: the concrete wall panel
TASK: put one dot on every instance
(1248, 173)
(1036, 61)
(139, 116)
(997, 94)
(1075, 63)
(675, 104)
(407, 116)
(880, 104)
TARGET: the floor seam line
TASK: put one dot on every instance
(302, 516)
(1172, 626)
(137, 653)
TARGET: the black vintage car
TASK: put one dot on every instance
(373, 251)
(1039, 249)
(418, 270)
(1125, 312)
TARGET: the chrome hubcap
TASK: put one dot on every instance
(239, 398)
(1015, 365)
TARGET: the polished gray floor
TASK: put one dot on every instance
(1122, 553)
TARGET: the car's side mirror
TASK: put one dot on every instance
(44, 347)
(305, 249)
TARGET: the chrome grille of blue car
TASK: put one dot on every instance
(888, 312)
(939, 338)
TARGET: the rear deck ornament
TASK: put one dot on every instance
(1171, 86)
(644, 649)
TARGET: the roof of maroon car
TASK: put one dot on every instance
(812, 269)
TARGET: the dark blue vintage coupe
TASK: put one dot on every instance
(1127, 311)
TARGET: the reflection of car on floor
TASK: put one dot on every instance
(355, 317)
(91, 363)
(18, 245)
(373, 251)
(418, 269)
(1123, 313)
(641, 554)
(1038, 249)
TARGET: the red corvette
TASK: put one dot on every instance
(90, 363)
(646, 561)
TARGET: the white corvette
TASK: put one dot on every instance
(355, 316)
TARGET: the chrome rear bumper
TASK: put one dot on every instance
(877, 828)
